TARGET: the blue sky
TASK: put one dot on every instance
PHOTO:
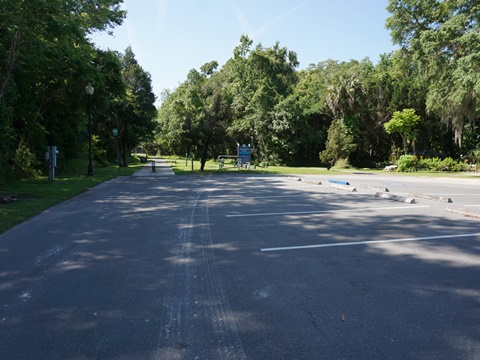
(171, 37)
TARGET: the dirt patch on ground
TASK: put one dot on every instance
(9, 198)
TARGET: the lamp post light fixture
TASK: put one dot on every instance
(89, 91)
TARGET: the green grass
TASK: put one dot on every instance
(40, 194)
(211, 167)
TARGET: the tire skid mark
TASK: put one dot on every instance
(197, 322)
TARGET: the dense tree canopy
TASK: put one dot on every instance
(443, 39)
(46, 59)
(258, 97)
(285, 114)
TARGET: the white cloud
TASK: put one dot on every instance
(277, 19)
(162, 6)
(246, 28)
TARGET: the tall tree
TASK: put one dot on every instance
(339, 144)
(45, 62)
(345, 89)
(137, 112)
(301, 120)
(443, 37)
(404, 122)
(260, 79)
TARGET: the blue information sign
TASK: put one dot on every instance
(244, 153)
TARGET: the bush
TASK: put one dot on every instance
(430, 164)
(407, 163)
(339, 143)
(474, 157)
(24, 162)
(342, 164)
(395, 154)
(447, 164)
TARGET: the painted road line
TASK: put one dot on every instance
(247, 198)
(369, 242)
(458, 194)
(463, 211)
(325, 211)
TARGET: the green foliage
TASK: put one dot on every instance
(38, 194)
(257, 97)
(448, 164)
(437, 164)
(24, 162)
(407, 163)
(342, 164)
(443, 41)
(395, 154)
(339, 143)
(404, 123)
(430, 164)
(474, 157)
(46, 59)
(99, 155)
(135, 112)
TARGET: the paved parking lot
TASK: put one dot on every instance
(246, 267)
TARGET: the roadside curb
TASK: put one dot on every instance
(463, 211)
(433, 197)
(314, 182)
(388, 196)
(378, 188)
(343, 187)
(307, 181)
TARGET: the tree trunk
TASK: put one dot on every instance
(405, 147)
(11, 63)
(203, 159)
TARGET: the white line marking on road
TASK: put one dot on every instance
(285, 196)
(247, 198)
(456, 194)
(471, 205)
(326, 211)
(369, 242)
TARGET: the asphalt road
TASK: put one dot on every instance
(245, 267)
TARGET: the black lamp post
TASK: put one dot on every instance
(89, 91)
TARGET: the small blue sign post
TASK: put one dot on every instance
(244, 154)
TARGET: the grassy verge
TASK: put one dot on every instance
(39, 194)
(180, 167)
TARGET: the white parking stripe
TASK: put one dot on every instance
(326, 211)
(369, 242)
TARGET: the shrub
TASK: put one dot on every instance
(24, 162)
(395, 153)
(339, 143)
(430, 164)
(407, 163)
(342, 164)
(448, 164)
